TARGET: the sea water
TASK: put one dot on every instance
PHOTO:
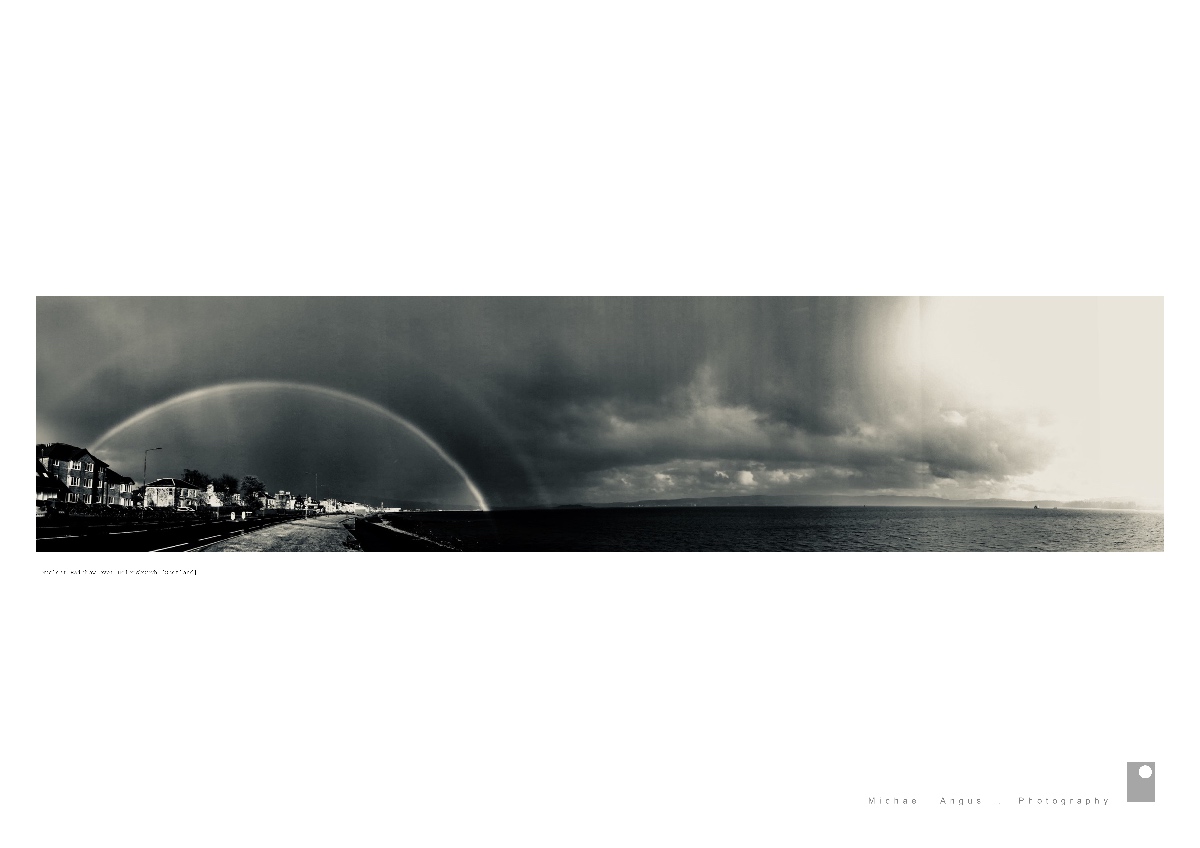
(792, 529)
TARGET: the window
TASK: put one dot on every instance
(54, 462)
(72, 480)
(90, 468)
(72, 497)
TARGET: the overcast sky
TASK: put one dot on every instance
(540, 400)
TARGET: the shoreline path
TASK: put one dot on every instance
(321, 533)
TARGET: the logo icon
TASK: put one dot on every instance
(1139, 781)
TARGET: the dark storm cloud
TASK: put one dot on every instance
(564, 398)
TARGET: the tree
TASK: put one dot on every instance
(225, 486)
(250, 488)
(196, 479)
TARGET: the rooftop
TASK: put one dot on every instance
(169, 482)
(60, 450)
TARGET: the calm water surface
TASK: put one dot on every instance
(793, 529)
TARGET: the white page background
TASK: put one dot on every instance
(867, 148)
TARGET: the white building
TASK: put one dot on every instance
(169, 492)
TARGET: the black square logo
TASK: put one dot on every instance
(1139, 781)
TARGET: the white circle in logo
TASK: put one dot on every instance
(1145, 771)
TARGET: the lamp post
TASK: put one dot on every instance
(145, 458)
(316, 498)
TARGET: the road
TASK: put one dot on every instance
(321, 533)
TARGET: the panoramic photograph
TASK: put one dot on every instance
(388, 424)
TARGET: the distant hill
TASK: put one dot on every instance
(860, 500)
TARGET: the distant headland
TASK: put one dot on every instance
(866, 500)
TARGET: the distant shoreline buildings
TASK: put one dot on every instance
(67, 474)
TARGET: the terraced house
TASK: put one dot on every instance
(87, 479)
(120, 488)
(49, 487)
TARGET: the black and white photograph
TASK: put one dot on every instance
(600, 424)
(750, 425)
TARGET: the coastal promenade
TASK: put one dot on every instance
(168, 532)
(325, 533)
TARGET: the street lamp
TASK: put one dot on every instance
(316, 497)
(145, 457)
